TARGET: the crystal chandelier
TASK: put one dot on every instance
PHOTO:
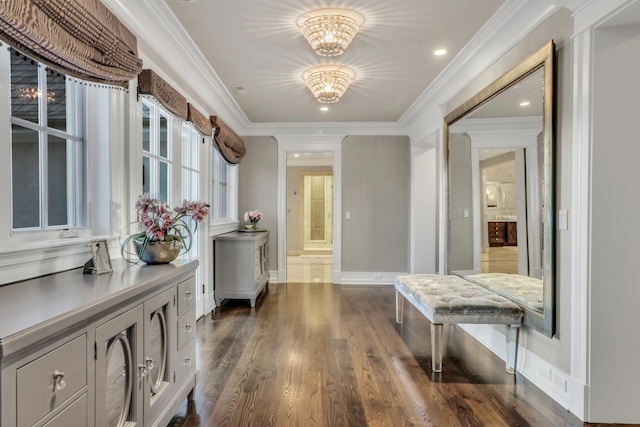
(329, 31)
(328, 83)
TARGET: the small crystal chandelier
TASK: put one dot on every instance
(329, 31)
(328, 82)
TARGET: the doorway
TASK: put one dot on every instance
(310, 205)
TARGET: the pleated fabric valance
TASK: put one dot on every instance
(228, 143)
(81, 38)
(149, 83)
(199, 120)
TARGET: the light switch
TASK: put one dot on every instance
(563, 221)
(347, 215)
(465, 213)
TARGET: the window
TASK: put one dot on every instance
(191, 143)
(156, 151)
(222, 186)
(47, 148)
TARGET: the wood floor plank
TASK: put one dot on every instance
(323, 355)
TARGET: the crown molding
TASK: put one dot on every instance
(328, 128)
(154, 23)
(504, 30)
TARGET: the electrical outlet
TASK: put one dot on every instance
(559, 381)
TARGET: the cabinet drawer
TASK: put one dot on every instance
(38, 389)
(186, 361)
(186, 295)
(186, 328)
(75, 415)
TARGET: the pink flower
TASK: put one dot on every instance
(158, 221)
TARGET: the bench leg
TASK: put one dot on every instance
(399, 307)
(512, 347)
(436, 347)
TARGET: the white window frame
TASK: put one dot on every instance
(77, 204)
(26, 254)
(229, 222)
(155, 158)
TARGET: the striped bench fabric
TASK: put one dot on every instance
(451, 299)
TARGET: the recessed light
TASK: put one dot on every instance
(440, 52)
(296, 155)
(525, 103)
(324, 109)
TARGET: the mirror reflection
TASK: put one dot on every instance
(499, 160)
(118, 381)
(158, 350)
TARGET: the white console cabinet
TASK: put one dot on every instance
(241, 265)
(94, 350)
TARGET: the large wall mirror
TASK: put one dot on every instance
(500, 188)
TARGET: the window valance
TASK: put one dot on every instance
(81, 38)
(199, 120)
(228, 143)
(149, 83)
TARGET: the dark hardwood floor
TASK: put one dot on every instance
(332, 355)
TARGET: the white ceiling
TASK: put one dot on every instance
(256, 44)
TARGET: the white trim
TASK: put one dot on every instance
(580, 219)
(154, 22)
(46, 257)
(553, 382)
(273, 277)
(302, 143)
(367, 278)
(504, 30)
(594, 12)
(313, 129)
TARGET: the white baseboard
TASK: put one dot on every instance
(274, 276)
(367, 278)
(209, 302)
(560, 387)
(346, 277)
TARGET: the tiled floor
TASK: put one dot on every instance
(310, 268)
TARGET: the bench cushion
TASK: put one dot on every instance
(451, 299)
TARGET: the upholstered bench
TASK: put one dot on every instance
(451, 299)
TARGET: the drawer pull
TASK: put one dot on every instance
(142, 370)
(187, 361)
(149, 363)
(188, 328)
(58, 380)
(188, 295)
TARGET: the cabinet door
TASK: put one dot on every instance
(159, 345)
(120, 371)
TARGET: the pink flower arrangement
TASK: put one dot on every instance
(157, 222)
(253, 216)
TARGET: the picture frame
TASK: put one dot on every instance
(101, 258)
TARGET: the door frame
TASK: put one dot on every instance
(300, 144)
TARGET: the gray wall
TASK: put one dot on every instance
(375, 190)
(294, 193)
(461, 200)
(559, 27)
(258, 187)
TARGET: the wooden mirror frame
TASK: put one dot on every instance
(543, 58)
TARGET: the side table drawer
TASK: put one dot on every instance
(186, 328)
(75, 415)
(186, 361)
(186, 295)
(45, 383)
